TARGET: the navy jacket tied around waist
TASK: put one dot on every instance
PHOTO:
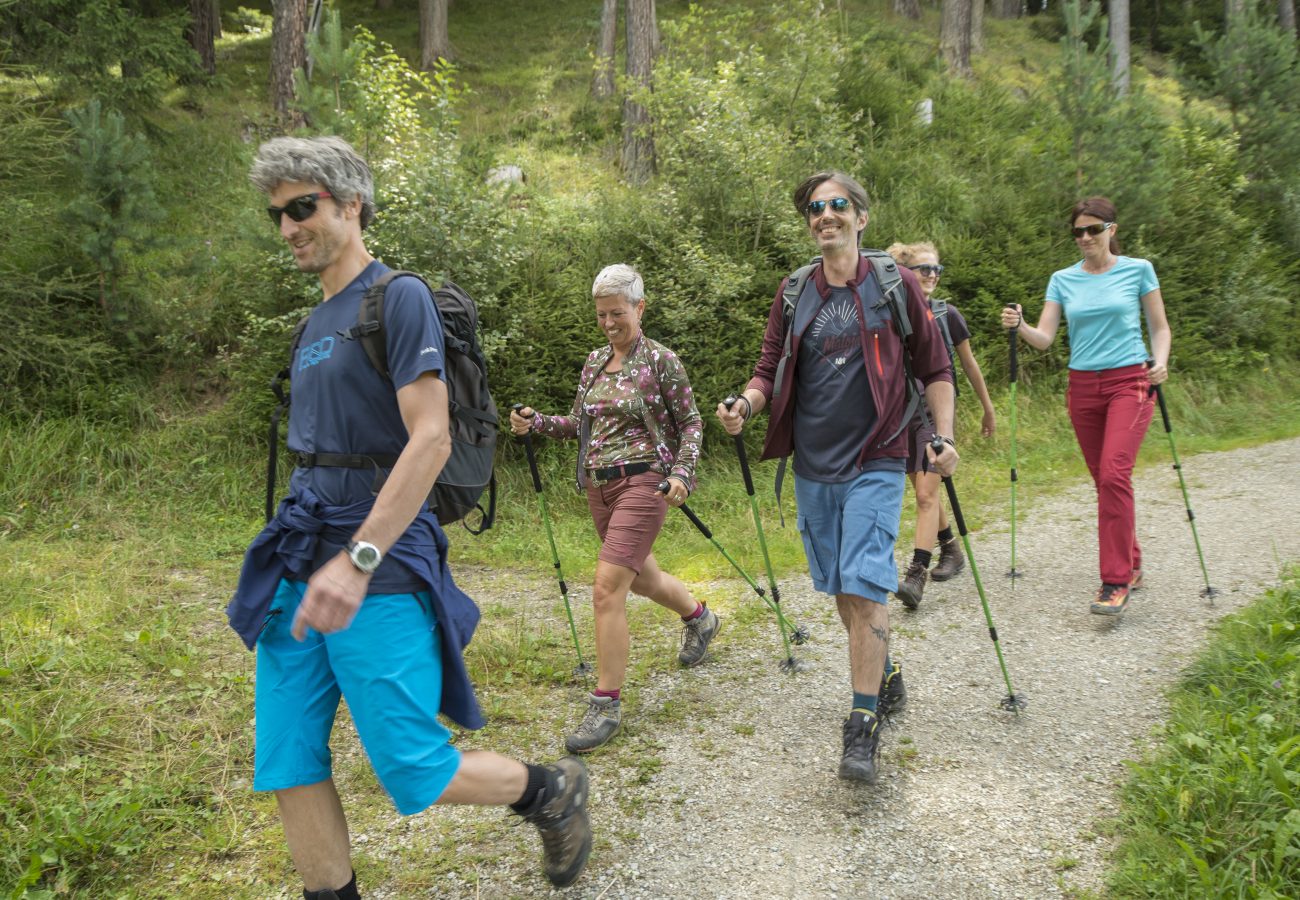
(287, 546)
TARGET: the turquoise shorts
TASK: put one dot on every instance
(849, 530)
(389, 667)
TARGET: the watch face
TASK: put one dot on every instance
(365, 557)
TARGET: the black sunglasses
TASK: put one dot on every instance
(817, 207)
(927, 270)
(1094, 230)
(300, 209)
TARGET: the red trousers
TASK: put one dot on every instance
(1110, 411)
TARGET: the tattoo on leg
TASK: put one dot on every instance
(880, 633)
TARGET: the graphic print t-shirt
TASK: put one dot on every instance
(340, 404)
(834, 411)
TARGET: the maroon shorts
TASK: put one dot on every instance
(628, 514)
(919, 437)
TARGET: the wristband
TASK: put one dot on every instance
(749, 407)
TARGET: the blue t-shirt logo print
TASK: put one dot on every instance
(316, 352)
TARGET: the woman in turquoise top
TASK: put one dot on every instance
(1103, 298)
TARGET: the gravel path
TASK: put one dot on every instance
(973, 801)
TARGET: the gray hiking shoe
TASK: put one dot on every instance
(560, 816)
(951, 561)
(861, 749)
(912, 587)
(602, 721)
(893, 694)
(696, 636)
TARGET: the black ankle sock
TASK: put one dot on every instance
(347, 892)
(945, 536)
(537, 778)
(923, 557)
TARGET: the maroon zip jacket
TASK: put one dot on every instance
(883, 356)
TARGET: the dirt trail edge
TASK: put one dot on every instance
(973, 801)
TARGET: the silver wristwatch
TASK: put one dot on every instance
(365, 556)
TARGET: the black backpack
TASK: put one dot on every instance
(940, 310)
(473, 413)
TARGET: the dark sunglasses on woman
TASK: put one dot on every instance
(1094, 230)
(837, 204)
(300, 209)
(927, 270)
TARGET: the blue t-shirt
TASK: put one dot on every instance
(1104, 312)
(340, 404)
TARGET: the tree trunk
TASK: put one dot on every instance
(383, 4)
(977, 26)
(288, 54)
(1286, 15)
(434, 42)
(216, 18)
(638, 142)
(202, 34)
(1007, 9)
(1233, 10)
(1119, 46)
(602, 83)
(908, 9)
(954, 36)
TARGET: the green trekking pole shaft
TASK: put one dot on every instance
(772, 586)
(583, 668)
(708, 535)
(1011, 701)
(1209, 591)
(1015, 373)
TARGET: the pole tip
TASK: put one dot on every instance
(1014, 573)
(799, 635)
(1014, 702)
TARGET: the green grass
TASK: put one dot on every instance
(125, 736)
(1214, 811)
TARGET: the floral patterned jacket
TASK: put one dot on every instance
(663, 398)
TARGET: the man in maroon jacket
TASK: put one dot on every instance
(840, 405)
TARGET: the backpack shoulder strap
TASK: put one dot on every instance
(891, 285)
(793, 288)
(369, 329)
(273, 436)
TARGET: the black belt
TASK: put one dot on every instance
(613, 473)
(346, 460)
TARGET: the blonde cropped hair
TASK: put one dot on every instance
(905, 254)
(619, 279)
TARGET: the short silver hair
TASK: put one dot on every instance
(619, 279)
(328, 161)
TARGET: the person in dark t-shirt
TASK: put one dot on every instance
(839, 403)
(346, 592)
(931, 522)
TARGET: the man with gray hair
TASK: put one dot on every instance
(347, 592)
(834, 367)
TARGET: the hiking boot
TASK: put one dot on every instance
(1135, 580)
(912, 586)
(560, 815)
(951, 561)
(861, 749)
(893, 694)
(1111, 600)
(602, 721)
(696, 636)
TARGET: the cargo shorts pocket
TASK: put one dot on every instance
(815, 557)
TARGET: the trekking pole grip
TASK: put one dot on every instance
(528, 448)
(1160, 398)
(740, 450)
(690, 513)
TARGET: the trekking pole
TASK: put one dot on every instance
(1015, 371)
(583, 668)
(789, 664)
(798, 635)
(1012, 701)
(1209, 593)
